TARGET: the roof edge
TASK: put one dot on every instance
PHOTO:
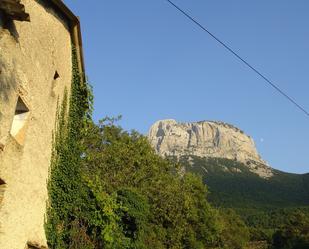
(65, 10)
(75, 30)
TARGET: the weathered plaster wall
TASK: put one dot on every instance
(30, 53)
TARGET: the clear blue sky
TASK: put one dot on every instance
(147, 62)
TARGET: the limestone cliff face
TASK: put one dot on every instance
(207, 139)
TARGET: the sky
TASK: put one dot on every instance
(147, 62)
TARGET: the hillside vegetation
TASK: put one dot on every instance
(265, 204)
(232, 184)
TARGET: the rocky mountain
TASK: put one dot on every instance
(236, 176)
(207, 139)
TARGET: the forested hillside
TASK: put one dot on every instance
(265, 204)
(232, 184)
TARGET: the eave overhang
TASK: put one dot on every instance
(75, 31)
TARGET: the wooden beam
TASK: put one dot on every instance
(14, 10)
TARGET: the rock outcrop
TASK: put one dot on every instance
(207, 139)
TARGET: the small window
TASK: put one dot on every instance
(21, 116)
(56, 75)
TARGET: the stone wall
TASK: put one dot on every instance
(30, 55)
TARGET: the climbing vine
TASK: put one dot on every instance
(65, 191)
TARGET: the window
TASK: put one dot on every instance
(21, 116)
(56, 75)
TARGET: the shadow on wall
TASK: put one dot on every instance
(34, 245)
(8, 82)
(2, 190)
(8, 24)
(49, 8)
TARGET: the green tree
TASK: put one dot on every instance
(294, 234)
(162, 209)
(235, 233)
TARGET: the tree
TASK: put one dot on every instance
(161, 208)
(294, 234)
(235, 233)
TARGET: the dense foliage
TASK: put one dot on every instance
(294, 234)
(129, 197)
(157, 208)
(66, 194)
(265, 205)
(232, 184)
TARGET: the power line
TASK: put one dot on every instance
(241, 59)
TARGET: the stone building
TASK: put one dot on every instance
(36, 38)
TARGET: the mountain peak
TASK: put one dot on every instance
(207, 139)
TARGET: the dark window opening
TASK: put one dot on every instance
(56, 75)
(2, 182)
